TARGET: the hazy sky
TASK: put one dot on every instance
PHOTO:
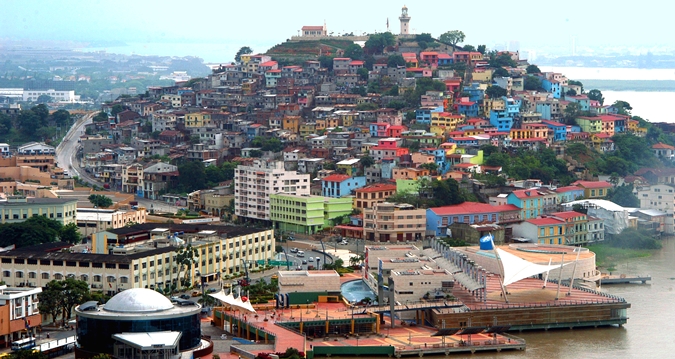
(261, 24)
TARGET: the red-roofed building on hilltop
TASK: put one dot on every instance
(314, 31)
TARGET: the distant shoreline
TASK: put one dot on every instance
(629, 85)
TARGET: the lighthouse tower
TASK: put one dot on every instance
(405, 21)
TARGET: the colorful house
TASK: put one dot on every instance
(558, 129)
(530, 202)
(440, 218)
(338, 185)
(593, 189)
(541, 230)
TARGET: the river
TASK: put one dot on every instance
(647, 333)
(650, 105)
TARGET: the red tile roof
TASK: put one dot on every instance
(526, 193)
(336, 178)
(568, 214)
(377, 188)
(592, 184)
(663, 146)
(566, 189)
(544, 221)
(472, 208)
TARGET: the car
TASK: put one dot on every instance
(344, 242)
(304, 261)
(184, 296)
(294, 250)
(298, 268)
(196, 293)
(211, 290)
(175, 298)
(311, 259)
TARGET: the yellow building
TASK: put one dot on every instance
(18, 209)
(438, 130)
(482, 75)
(446, 119)
(198, 119)
(307, 129)
(291, 123)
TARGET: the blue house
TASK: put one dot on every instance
(338, 185)
(569, 193)
(464, 141)
(583, 101)
(423, 114)
(469, 109)
(552, 86)
(503, 119)
(440, 218)
(476, 94)
(530, 202)
(559, 129)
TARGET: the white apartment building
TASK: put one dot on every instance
(18, 306)
(661, 197)
(57, 96)
(254, 184)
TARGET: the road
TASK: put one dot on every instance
(66, 153)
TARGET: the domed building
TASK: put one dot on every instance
(139, 310)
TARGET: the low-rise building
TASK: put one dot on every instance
(18, 209)
(386, 222)
(19, 314)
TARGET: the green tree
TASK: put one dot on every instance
(326, 62)
(397, 105)
(571, 92)
(481, 49)
(426, 37)
(532, 69)
(101, 117)
(446, 192)
(432, 167)
(366, 161)
(244, 50)
(363, 74)
(366, 106)
(395, 60)
(500, 72)
(61, 117)
(576, 83)
(74, 292)
(100, 200)
(571, 112)
(27, 354)
(623, 196)
(186, 257)
(354, 52)
(117, 108)
(452, 38)
(196, 179)
(622, 107)
(635, 239)
(50, 299)
(469, 48)
(532, 83)
(376, 43)
(70, 233)
(102, 356)
(35, 230)
(494, 91)
(596, 95)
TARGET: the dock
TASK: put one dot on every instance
(623, 279)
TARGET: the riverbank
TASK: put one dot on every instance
(607, 256)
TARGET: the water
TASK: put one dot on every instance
(356, 290)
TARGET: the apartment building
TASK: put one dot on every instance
(18, 209)
(18, 306)
(254, 184)
(386, 222)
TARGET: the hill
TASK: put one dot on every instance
(305, 50)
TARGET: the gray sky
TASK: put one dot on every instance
(536, 25)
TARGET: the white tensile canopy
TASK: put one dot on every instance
(516, 268)
(235, 303)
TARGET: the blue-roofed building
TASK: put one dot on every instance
(503, 119)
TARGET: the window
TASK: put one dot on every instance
(6, 274)
(97, 278)
(45, 275)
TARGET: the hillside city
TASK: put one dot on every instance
(332, 140)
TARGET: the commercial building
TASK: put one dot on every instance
(18, 307)
(394, 222)
(107, 328)
(302, 287)
(91, 220)
(366, 197)
(18, 209)
(254, 184)
(140, 256)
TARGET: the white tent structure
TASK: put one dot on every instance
(235, 303)
(516, 268)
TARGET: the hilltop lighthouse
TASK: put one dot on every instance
(405, 21)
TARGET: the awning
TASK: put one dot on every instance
(516, 268)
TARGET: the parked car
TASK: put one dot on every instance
(184, 296)
(344, 242)
(175, 298)
(304, 261)
(294, 250)
(311, 259)
(211, 290)
(196, 293)
(298, 268)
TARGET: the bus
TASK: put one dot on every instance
(25, 343)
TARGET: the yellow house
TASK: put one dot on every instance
(438, 130)
(482, 75)
(307, 129)
(291, 123)
(346, 118)
(496, 104)
(519, 134)
(321, 124)
(446, 119)
(246, 58)
(593, 189)
(198, 119)
(474, 132)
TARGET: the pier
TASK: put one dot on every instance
(624, 279)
